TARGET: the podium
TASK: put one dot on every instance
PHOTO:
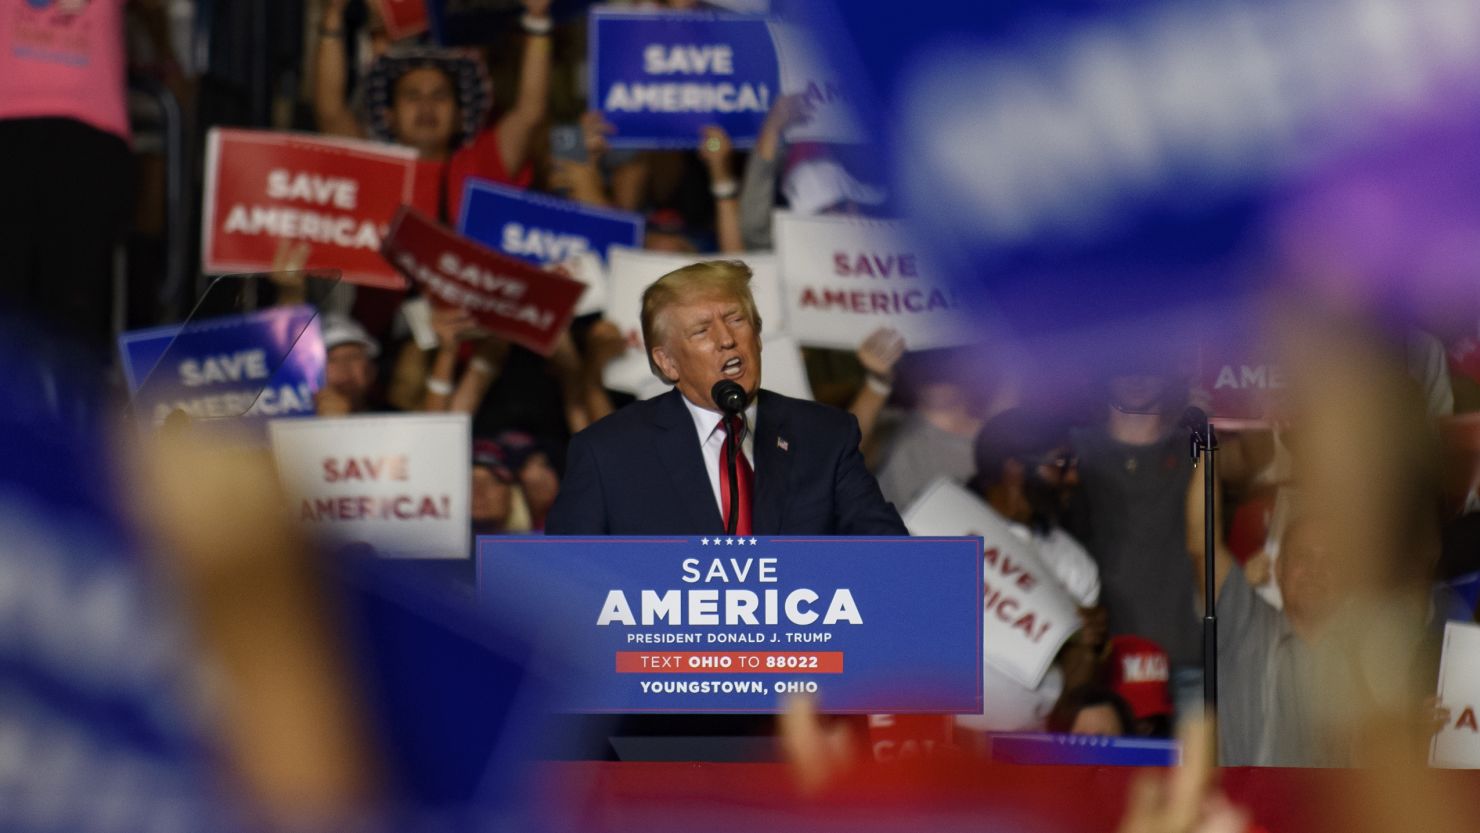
(698, 639)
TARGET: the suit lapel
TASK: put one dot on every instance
(677, 447)
(772, 464)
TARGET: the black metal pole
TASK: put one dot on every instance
(1210, 607)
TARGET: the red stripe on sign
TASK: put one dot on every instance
(729, 662)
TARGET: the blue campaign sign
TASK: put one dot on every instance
(661, 77)
(1082, 750)
(263, 364)
(733, 625)
(542, 229)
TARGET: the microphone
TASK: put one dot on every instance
(1200, 430)
(729, 396)
(1194, 419)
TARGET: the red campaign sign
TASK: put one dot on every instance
(337, 195)
(1244, 387)
(509, 297)
(403, 18)
(897, 737)
(1464, 357)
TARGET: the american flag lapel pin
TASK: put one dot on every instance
(782, 444)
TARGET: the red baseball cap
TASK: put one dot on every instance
(1140, 673)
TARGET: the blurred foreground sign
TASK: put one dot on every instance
(844, 277)
(714, 625)
(262, 364)
(508, 297)
(1457, 745)
(398, 483)
(1029, 615)
(337, 195)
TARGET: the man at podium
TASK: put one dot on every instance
(659, 467)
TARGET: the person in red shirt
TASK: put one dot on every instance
(437, 101)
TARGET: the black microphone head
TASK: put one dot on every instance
(729, 396)
(1194, 418)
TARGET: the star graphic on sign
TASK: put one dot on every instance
(704, 541)
(752, 542)
(729, 541)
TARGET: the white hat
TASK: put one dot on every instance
(818, 182)
(340, 329)
(1011, 706)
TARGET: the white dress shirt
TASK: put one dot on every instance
(712, 443)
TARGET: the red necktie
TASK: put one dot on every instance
(743, 472)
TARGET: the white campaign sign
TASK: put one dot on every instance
(844, 277)
(1457, 745)
(630, 271)
(821, 88)
(399, 483)
(589, 270)
(1029, 615)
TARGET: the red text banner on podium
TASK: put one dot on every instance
(729, 624)
(336, 195)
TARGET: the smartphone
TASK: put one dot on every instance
(567, 142)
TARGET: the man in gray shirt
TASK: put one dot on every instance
(1266, 663)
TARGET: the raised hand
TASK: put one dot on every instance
(880, 352)
(452, 324)
(715, 149)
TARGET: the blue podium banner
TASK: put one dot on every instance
(734, 625)
(1081, 750)
(262, 364)
(541, 229)
(659, 78)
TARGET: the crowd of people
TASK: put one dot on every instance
(1089, 467)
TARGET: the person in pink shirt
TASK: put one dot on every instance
(64, 139)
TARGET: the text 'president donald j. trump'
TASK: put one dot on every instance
(658, 467)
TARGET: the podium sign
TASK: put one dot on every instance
(734, 625)
(1037, 749)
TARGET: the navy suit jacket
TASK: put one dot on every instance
(640, 471)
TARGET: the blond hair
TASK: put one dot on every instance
(710, 278)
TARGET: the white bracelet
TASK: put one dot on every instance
(537, 25)
(878, 385)
(726, 190)
(441, 387)
(482, 365)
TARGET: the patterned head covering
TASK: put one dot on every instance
(469, 76)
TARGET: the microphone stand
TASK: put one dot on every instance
(1205, 444)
